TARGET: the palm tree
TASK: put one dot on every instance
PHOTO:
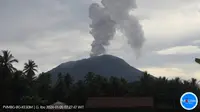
(6, 61)
(30, 69)
(6, 70)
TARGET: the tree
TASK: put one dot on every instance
(59, 91)
(194, 82)
(79, 93)
(89, 78)
(44, 86)
(19, 87)
(6, 71)
(114, 83)
(30, 69)
(100, 85)
(146, 87)
(68, 80)
(194, 85)
(6, 61)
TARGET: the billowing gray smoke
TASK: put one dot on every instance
(105, 19)
(103, 29)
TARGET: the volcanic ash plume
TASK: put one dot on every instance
(102, 29)
(104, 20)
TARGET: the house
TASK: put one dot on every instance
(58, 103)
(57, 107)
(119, 102)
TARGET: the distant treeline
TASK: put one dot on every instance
(23, 87)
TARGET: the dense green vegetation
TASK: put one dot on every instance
(24, 87)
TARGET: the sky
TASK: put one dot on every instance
(51, 32)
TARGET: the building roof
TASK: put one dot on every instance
(119, 102)
(58, 103)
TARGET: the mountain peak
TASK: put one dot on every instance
(105, 65)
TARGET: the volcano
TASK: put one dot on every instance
(104, 65)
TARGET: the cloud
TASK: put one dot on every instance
(196, 42)
(171, 72)
(56, 31)
(171, 24)
(180, 50)
(27, 18)
(197, 74)
(161, 71)
(52, 49)
(45, 31)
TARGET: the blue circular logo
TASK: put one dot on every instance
(189, 101)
